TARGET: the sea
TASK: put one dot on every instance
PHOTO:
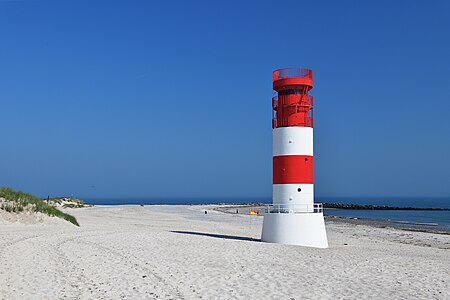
(432, 219)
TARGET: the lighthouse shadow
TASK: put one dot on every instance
(218, 236)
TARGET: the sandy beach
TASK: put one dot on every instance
(179, 252)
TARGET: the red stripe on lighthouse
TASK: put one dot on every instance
(293, 169)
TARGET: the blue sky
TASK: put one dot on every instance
(172, 99)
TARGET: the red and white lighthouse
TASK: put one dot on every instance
(293, 218)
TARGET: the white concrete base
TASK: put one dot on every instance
(303, 229)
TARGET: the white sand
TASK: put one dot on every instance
(133, 252)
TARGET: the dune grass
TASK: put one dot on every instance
(15, 201)
(68, 202)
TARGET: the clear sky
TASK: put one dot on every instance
(173, 98)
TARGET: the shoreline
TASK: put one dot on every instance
(407, 226)
(326, 205)
(379, 223)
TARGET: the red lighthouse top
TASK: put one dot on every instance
(291, 77)
(292, 106)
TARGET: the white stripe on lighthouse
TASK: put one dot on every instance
(293, 194)
(293, 141)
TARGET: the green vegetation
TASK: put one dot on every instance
(14, 201)
(67, 202)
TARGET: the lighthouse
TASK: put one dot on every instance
(293, 218)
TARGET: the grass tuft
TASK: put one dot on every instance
(15, 201)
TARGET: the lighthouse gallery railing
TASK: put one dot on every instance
(294, 208)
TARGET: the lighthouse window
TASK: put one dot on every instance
(299, 190)
(306, 159)
(290, 92)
